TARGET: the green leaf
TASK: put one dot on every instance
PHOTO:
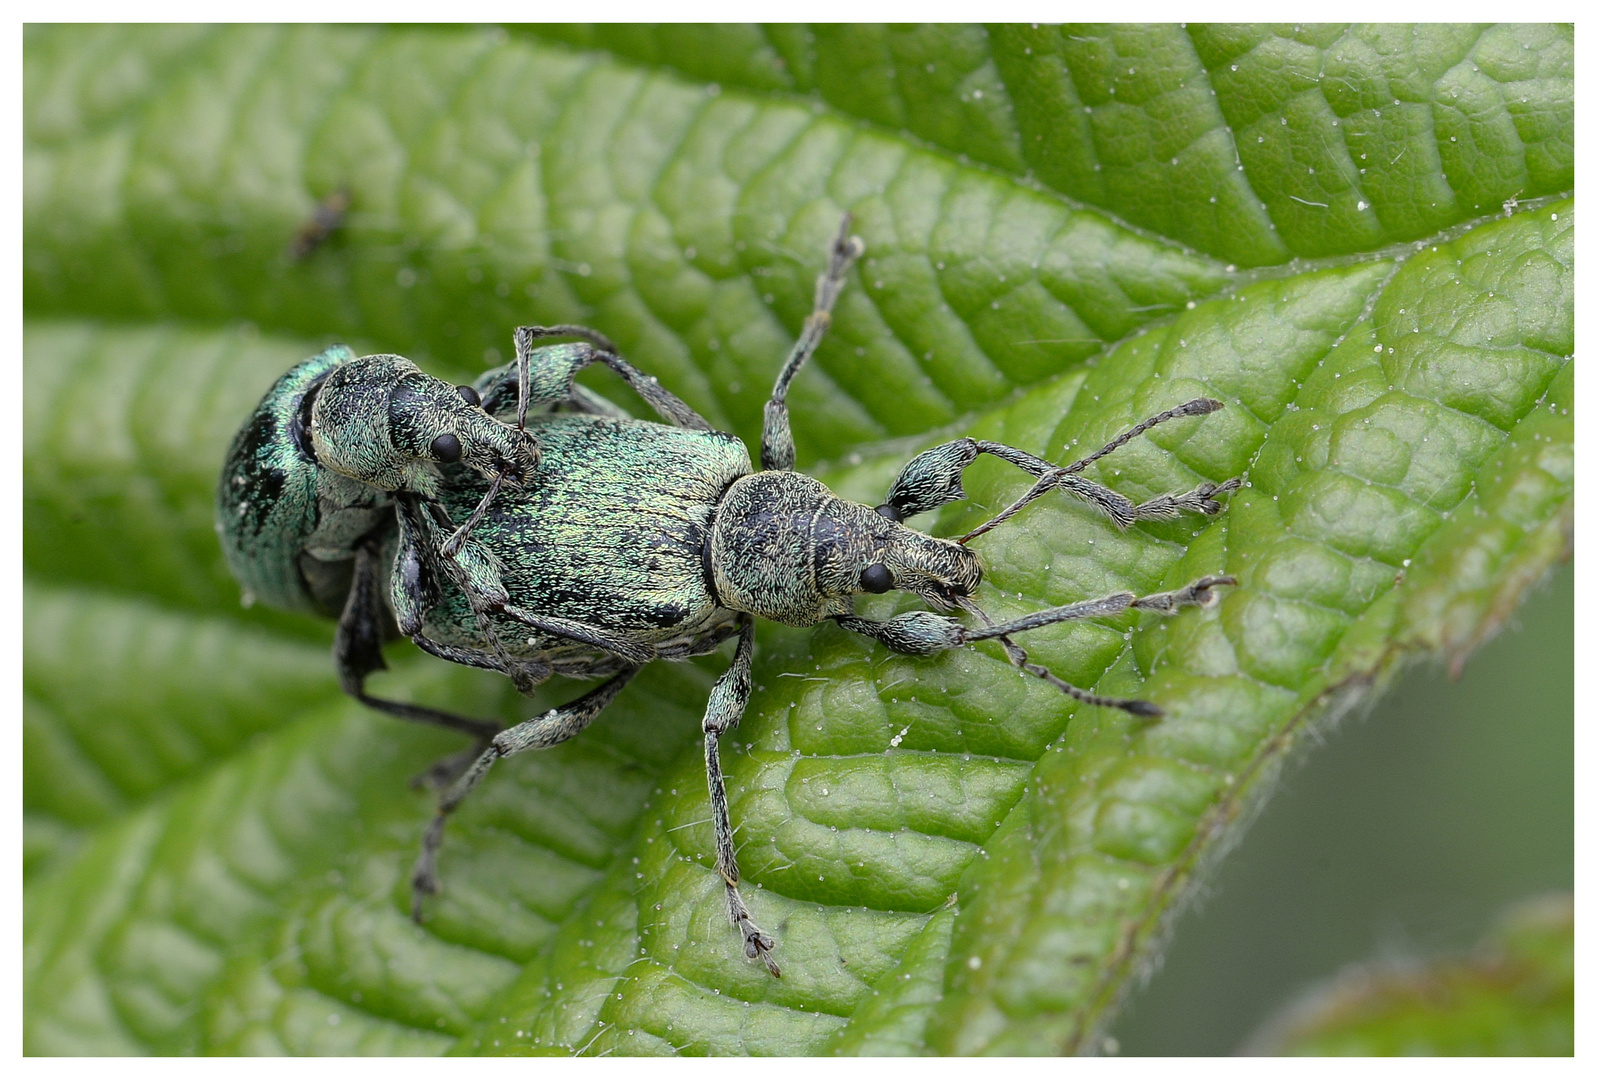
(1515, 996)
(954, 857)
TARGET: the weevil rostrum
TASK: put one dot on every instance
(525, 525)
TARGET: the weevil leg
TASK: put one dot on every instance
(541, 732)
(358, 651)
(728, 698)
(415, 589)
(922, 633)
(1113, 505)
(588, 634)
(526, 674)
(1200, 593)
(500, 389)
(932, 479)
(545, 376)
(776, 443)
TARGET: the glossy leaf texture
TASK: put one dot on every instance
(955, 859)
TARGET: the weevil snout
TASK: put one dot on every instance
(941, 572)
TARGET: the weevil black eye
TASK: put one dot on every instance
(446, 448)
(876, 578)
(890, 512)
(469, 395)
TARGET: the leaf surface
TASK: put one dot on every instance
(954, 858)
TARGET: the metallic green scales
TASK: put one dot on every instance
(609, 532)
(287, 525)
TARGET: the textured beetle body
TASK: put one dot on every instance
(527, 526)
(610, 532)
(288, 526)
(786, 549)
(313, 471)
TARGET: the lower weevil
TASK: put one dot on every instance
(593, 542)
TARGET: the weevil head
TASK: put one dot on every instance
(785, 548)
(384, 422)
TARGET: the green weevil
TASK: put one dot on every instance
(591, 543)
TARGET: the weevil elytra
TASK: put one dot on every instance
(589, 543)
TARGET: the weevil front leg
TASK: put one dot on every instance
(776, 443)
(500, 388)
(923, 633)
(933, 479)
(545, 375)
(416, 589)
(539, 733)
(728, 698)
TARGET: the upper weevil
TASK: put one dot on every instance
(591, 543)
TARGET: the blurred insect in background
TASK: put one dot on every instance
(327, 218)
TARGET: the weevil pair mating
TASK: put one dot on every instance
(525, 525)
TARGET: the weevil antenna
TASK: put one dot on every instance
(1047, 481)
(1018, 657)
(1196, 407)
(451, 547)
(967, 604)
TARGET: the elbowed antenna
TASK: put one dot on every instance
(1200, 593)
(1119, 509)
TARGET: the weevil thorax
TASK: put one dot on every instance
(382, 421)
(784, 547)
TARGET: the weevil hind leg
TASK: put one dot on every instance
(541, 732)
(776, 443)
(357, 652)
(728, 698)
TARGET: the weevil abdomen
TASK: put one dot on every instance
(288, 526)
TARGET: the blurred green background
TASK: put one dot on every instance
(1403, 837)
